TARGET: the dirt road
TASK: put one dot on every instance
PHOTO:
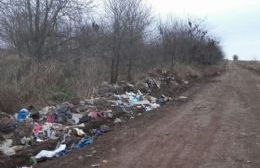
(218, 128)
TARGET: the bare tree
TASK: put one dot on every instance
(235, 57)
(31, 25)
(137, 19)
(129, 20)
(115, 11)
(189, 42)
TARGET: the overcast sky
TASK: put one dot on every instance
(236, 22)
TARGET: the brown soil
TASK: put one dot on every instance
(219, 127)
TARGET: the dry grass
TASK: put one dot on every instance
(9, 100)
(187, 71)
(24, 82)
(251, 65)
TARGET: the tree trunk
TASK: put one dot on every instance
(129, 71)
(112, 71)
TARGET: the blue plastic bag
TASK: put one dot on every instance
(97, 132)
(84, 142)
(22, 115)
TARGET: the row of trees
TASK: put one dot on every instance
(125, 37)
(189, 42)
(33, 27)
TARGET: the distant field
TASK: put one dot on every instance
(251, 65)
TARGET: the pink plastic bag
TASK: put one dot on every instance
(37, 128)
(93, 115)
(50, 119)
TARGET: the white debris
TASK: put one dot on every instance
(80, 132)
(183, 97)
(6, 148)
(117, 120)
(50, 154)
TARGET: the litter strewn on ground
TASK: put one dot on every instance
(68, 126)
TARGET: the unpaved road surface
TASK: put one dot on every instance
(219, 127)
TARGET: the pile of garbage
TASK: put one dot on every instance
(54, 131)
